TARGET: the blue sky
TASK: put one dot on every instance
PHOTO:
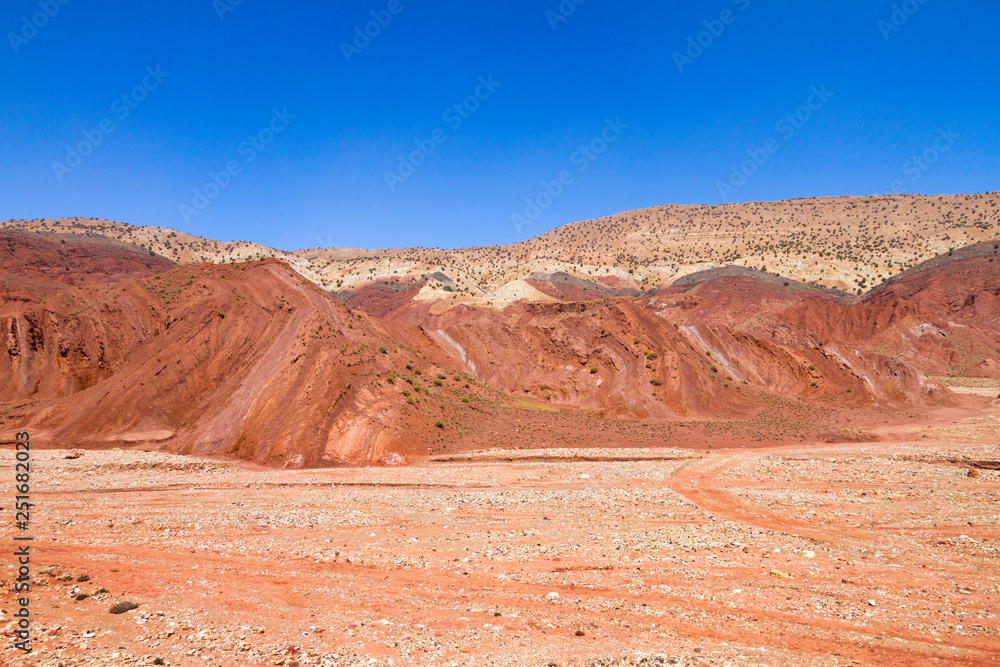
(287, 125)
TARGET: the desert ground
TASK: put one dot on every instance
(815, 554)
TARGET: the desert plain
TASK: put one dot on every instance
(821, 554)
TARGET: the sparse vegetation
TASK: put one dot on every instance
(124, 606)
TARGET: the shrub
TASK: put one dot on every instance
(391, 378)
(220, 313)
(80, 597)
(439, 424)
(593, 370)
(383, 349)
(467, 400)
(714, 369)
(438, 383)
(83, 578)
(812, 367)
(122, 607)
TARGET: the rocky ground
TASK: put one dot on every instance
(821, 554)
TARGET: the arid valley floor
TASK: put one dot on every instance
(821, 554)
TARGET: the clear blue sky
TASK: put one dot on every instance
(322, 178)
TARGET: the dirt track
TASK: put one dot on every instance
(823, 554)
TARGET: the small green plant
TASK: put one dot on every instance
(655, 382)
(438, 383)
(439, 424)
(411, 401)
(812, 367)
(714, 368)
(391, 377)
(66, 577)
(83, 578)
(383, 349)
(850, 391)
(593, 370)
(467, 400)
(124, 606)
(813, 384)
(158, 661)
(220, 313)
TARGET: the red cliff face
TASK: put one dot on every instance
(248, 361)
(253, 361)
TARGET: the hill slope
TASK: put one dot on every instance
(849, 243)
